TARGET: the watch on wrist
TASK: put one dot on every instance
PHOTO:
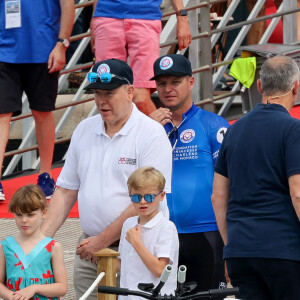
(181, 12)
(65, 42)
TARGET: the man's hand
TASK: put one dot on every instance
(226, 273)
(83, 242)
(134, 234)
(57, 58)
(161, 115)
(184, 35)
(90, 245)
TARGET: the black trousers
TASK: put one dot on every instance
(202, 254)
(265, 278)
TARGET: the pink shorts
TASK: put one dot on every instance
(135, 39)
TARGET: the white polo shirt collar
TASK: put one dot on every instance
(153, 221)
(100, 130)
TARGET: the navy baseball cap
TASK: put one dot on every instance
(109, 74)
(172, 64)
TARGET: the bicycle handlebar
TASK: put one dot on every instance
(125, 292)
(113, 290)
(122, 291)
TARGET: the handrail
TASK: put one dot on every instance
(79, 36)
(84, 4)
(216, 98)
(256, 20)
(58, 107)
(34, 147)
(76, 68)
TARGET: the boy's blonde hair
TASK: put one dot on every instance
(146, 176)
(27, 199)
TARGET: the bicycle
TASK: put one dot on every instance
(183, 291)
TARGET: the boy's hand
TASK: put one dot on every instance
(133, 235)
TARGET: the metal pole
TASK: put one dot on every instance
(194, 50)
(206, 86)
(289, 23)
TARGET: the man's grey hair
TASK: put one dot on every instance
(278, 74)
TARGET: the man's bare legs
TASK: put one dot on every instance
(45, 136)
(4, 129)
(257, 29)
(142, 99)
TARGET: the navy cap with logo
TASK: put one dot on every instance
(172, 64)
(109, 74)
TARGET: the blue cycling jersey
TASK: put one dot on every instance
(197, 142)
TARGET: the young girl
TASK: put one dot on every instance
(31, 265)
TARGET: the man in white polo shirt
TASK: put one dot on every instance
(104, 151)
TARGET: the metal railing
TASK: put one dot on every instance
(203, 40)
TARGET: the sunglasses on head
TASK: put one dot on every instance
(173, 136)
(136, 198)
(104, 77)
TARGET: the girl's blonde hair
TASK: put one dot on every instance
(146, 176)
(27, 199)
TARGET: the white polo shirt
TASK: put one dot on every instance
(98, 166)
(160, 237)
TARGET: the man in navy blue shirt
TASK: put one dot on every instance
(196, 136)
(256, 191)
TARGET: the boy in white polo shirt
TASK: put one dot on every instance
(148, 241)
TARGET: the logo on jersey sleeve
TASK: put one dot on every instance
(187, 135)
(221, 134)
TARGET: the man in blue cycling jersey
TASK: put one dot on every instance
(196, 136)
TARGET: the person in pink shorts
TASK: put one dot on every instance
(131, 30)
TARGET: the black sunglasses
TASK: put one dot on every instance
(173, 136)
